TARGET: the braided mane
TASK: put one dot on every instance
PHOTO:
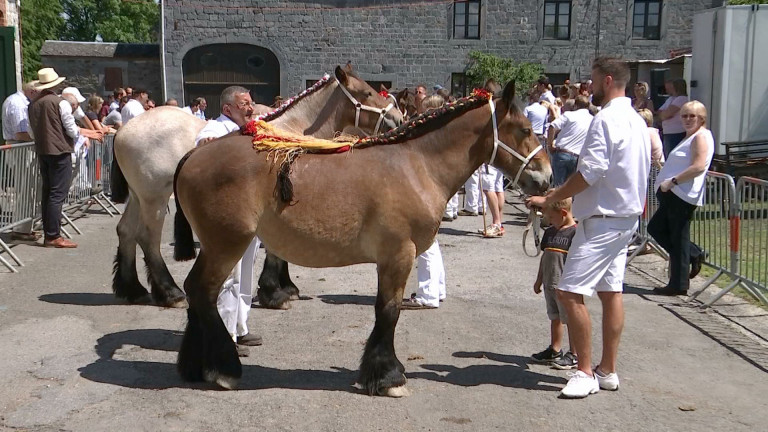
(428, 121)
(292, 101)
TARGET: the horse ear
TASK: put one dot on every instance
(508, 95)
(382, 88)
(348, 67)
(341, 75)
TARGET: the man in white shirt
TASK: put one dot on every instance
(537, 114)
(234, 301)
(197, 107)
(543, 88)
(119, 94)
(609, 194)
(135, 106)
(571, 130)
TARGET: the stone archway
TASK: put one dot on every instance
(209, 69)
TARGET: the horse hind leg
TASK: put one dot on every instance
(286, 284)
(270, 294)
(165, 292)
(381, 373)
(125, 282)
(207, 351)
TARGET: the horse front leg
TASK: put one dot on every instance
(165, 292)
(207, 351)
(125, 282)
(381, 373)
(286, 284)
(270, 294)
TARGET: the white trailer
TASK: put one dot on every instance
(730, 71)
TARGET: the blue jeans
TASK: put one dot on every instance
(563, 165)
(670, 141)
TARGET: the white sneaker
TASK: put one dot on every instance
(607, 381)
(580, 385)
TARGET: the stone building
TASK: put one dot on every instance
(277, 47)
(100, 67)
(10, 48)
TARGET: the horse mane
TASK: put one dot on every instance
(429, 121)
(294, 100)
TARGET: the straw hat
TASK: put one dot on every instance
(47, 78)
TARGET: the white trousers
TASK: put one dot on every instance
(452, 208)
(234, 300)
(474, 193)
(431, 274)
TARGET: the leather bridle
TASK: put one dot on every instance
(498, 143)
(360, 107)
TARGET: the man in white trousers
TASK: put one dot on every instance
(234, 301)
(431, 275)
(609, 190)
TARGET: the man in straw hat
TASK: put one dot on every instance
(53, 128)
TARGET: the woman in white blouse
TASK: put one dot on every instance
(671, 123)
(680, 189)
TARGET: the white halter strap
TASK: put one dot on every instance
(498, 143)
(358, 107)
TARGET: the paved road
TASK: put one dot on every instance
(74, 359)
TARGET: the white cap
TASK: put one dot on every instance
(74, 92)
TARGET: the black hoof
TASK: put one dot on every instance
(208, 355)
(273, 300)
(379, 373)
(171, 297)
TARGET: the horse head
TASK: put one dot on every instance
(517, 151)
(372, 112)
(406, 102)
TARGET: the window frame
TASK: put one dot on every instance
(465, 23)
(557, 24)
(645, 16)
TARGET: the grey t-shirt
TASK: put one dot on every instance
(112, 118)
(555, 244)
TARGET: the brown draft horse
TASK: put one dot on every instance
(380, 203)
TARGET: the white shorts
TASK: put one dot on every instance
(598, 255)
(493, 179)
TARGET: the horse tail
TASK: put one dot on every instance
(117, 184)
(184, 242)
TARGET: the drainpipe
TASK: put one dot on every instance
(162, 49)
(597, 27)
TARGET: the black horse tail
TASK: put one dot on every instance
(184, 242)
(117, 184)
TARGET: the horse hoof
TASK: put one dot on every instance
(397, 392)
(179, 304)
(295, 297)
(225, 382)
(285, 306)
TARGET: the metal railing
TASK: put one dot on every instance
(20, 188)
(730, 227)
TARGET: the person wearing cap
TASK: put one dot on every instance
(78, 113)
(135, 106)
(544, 89)
(53, 128)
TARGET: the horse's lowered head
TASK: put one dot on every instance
(373, 113)
(516, 150)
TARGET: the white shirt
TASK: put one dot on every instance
(67, 120)
(547, 96)
(15, 115)
(537, 114)
(112, 118)
(217, 128)
(614, 161)
(115, 105)
(673, 125)
(200, 114)
(130, 110)
(678, 160)
(573, 127)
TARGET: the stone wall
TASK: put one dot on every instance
(410, 42)
(87, 74)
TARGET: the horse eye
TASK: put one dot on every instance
(527, 131)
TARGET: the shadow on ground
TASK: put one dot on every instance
(83, 299)
(514, 373)
(348, 299)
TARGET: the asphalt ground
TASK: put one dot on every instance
(72, 358)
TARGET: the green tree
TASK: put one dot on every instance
(111, 20)
(40, 20)
(483, 66)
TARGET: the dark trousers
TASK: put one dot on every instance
(670, 141)
(56, 173)
(670, 226)
(563, 165)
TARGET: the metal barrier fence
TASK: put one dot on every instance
(20, 188)
(731, 229)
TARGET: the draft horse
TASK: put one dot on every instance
(149, 147)
(380, 203)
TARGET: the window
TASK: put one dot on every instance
(458, 85)
(646, 20)
(557, 19)
(466, 19)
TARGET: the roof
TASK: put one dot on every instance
(56, 48)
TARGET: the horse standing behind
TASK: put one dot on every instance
(149, 147)
(380, 203)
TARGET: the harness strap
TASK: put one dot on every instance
(498, 143)
(359, 106)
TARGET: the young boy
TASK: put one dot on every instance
(555, 243)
